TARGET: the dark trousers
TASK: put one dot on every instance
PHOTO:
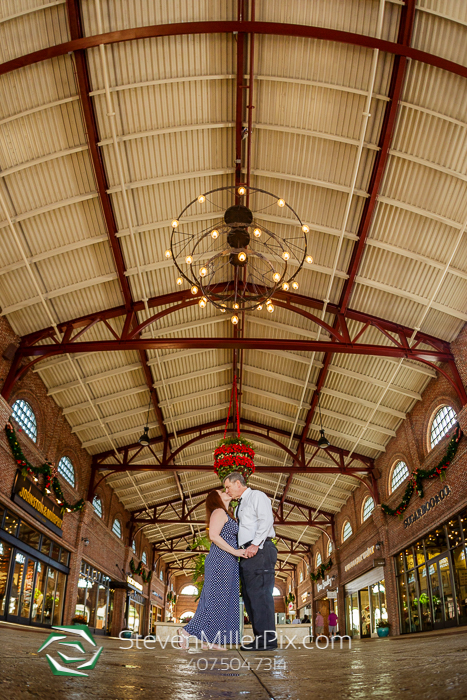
(257, 577)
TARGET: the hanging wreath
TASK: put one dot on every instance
(234, 453)
(320, 571)
(415, 482)
(290, 598)
(47, 470)
(171, 597)
(140, 571)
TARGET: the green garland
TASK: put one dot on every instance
(290, 598)
(171, 597)
(415, 482)
(140, 571)
(320, 571)
(48, 470)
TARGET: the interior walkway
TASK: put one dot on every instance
(433, 667)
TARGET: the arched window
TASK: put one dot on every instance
(133, 546)
(24, 416)
(301, 577)
(399, 474)
(329, 547)
(443, 421)
(117, 527)
(318, 559)
(184, 617)
(161, 575)
(347, 531)
(275, 592)
(67, 470)
(368, 508)
(189, 590)
(144, 558)
(97, 505)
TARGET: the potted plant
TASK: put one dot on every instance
(382, 628)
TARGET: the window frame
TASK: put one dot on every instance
(344, 537)
(330, 548)
(133, 547)
(434, 416)
(319, 559)
(101, 514)
(62, 458)
(393, 488)
(365, 501)
(189, 585)
(32, 417)
(117, 520)
(144, 557)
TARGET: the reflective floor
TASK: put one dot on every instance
(432, 667)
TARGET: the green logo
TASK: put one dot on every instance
(71, 646)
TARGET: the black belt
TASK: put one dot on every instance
(247, 544)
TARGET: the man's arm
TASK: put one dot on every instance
(265, 522)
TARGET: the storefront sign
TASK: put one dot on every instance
(332, 595)
(134, 583)
(429, 505)
(379, 562)
(34, 502)
(367, 553)
(321, 586)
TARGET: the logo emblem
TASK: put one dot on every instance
(63, 667)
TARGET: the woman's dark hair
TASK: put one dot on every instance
(213, 501)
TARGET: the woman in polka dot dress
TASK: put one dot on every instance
(217, 618)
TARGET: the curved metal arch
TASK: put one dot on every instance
(276, 443)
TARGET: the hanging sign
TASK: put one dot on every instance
(134, 583)
(34, 502)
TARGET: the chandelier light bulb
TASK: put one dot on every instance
(234, 320)
(286, 255)
(222, 311)
(179, 281)
(295, 285)
(285, 286)
(214, 234)
(168, 254)
(305, 228)
(257, 232)
(241, 191)
(189, 259)
(194, 289)
(201, 199)
(175, 223)
(276, 277)
(270, 308)
(281, 202)
(258, 308)
(202, 302)
(309, 259)
(242, 256)
(236, 306)
(203, 272)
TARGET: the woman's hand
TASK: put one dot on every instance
(241, 553)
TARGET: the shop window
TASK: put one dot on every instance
(117, 528)
(368, 508)
(443, 421)
(399, 474)
(144, 559)
(276, 592)
(24, 416)
(67, 470)
(97, 505)
(346, 531)
(189, 590)
(318, 559)
(329, 547)
(133, 546)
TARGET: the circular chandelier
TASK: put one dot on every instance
(239, 262)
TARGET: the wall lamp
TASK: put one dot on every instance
(85, 540)
(379, 545)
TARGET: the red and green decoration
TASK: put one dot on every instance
(418, 475)
(320, 571)
(290, 598)
(140, 571)
(234, 453)
(47, 470)
(171, 597)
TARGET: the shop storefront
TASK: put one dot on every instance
(135, 606)
(365, 603)
(95, 599)
(432, 579)
(157, 610)
(33, 573)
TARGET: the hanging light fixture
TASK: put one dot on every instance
(323, 442)
(144, 440)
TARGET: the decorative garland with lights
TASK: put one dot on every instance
(415, 482)
(140, 571)
(171, 597)
(47, 470)
(234, 453)
(320, 571)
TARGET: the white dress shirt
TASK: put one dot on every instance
(255, 518)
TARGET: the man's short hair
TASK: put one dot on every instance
(235, 476)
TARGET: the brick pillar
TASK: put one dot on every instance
(85, 517)
(118, 618)
(381, 521)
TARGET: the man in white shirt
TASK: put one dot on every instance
(255, 533)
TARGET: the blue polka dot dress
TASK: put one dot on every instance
(218, 614)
